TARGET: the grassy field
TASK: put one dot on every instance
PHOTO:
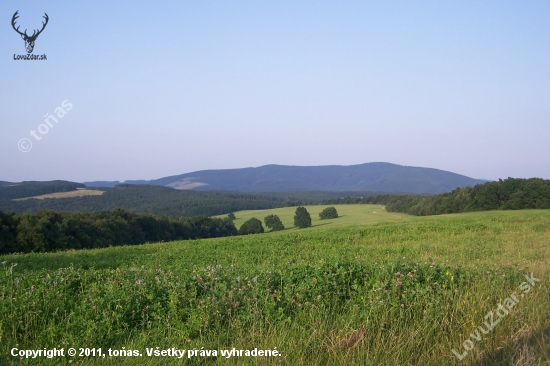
(77, 193)
(349, 215)
(360, 291)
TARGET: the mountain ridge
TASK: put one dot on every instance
(375, 176)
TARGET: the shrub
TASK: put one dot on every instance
(274, 223)
(328, 213)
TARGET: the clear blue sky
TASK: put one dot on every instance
(164, 88)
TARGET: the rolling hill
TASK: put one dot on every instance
(62, 196)
(276, 178)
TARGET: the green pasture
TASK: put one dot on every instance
(349, 215)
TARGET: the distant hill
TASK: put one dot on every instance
(2, 183)
(384, 177)
(32, 188)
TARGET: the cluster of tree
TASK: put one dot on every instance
(48, 231)
(328, 213)
(508, 194)
(302, 219)
(31, 189)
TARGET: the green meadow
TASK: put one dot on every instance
(367, 288)
(349, 215)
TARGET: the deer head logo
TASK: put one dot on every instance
(29, 40)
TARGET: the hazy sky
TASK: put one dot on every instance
(165, 88)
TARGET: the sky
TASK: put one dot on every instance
(166, 88)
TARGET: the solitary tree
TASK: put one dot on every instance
(328, 213)
(302, 218)
(231, 216)
(274, 223)
(252, 226)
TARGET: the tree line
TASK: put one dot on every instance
(507, 194)
(47, 231)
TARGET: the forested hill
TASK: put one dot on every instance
(509, 194)
(275, 178)
(30, 189)
(171, 202)
(150, 199)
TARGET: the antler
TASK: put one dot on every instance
(15, 16)
(35, 34)
(43, 25)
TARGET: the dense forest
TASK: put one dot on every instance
(150, 199)
(11, 191)
(48, 231)
(508, 194)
